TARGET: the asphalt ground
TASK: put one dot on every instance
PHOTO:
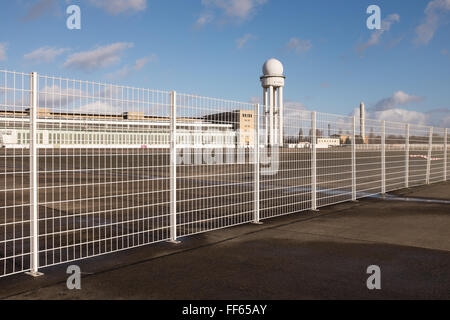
(93, 201)
(308, 255)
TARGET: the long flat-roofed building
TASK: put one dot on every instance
(243, 122)
(126, 130)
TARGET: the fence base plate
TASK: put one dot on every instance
(34, 274)
(174, 241)
(257, 223)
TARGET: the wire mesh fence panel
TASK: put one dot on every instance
(368, 159)
(14, 173)
(215, 163)
(418, 154)
(447, 154)
(285, 165)
(334, 136)
(396, 134)
(437, 166)
(103, 168)
(120, 167)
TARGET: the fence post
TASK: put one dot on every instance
(383, 157)
(34, 200)
(445, 153)
(430, 148)
(354, 159)
(257, 167)
(173, 168)
(407, 157)
(313, 162)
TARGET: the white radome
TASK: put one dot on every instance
(273, 67)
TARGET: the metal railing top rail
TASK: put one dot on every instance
(102, 200)
(320, 113)
(105, 84)
(194, 96)
(406, 123)
(14, 72)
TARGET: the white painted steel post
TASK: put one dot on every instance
(354, 159)
(173, 168)
(266, 116)
(313, 162)
(257, 167)
(430, 148)
(34, 200)
(271, 112)
(383, 157)
(281, 114)
(407, 157)
(275, 117)
(445, 154)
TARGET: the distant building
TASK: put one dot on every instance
(343, 138)
(347, 139)
(125, 130)
(242, 121)
(329, 141)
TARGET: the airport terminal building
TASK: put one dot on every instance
(126, 130)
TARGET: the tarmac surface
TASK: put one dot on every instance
(309, 255)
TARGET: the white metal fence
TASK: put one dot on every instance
(91, 168)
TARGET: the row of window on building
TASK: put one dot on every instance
(112, 138)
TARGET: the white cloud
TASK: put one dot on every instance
(241, 9)
(97, 107)
(395, 115)
(115, 7)
(57, 97)
(45, 54)
(99, 58)
(434, 13)
(204, 19)
(3, 51)
(299, 45)
(241, 42)
(375, 36)
(297, 114)
(127, 70)
(40, 8)
(140, 63)
(439, 117)
(67, 99)
(399, 98)
(445, 122)
(401, 115)
(390, 109)
(119, 74)
(238, 10)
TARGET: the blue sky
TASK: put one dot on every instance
(217, 47)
